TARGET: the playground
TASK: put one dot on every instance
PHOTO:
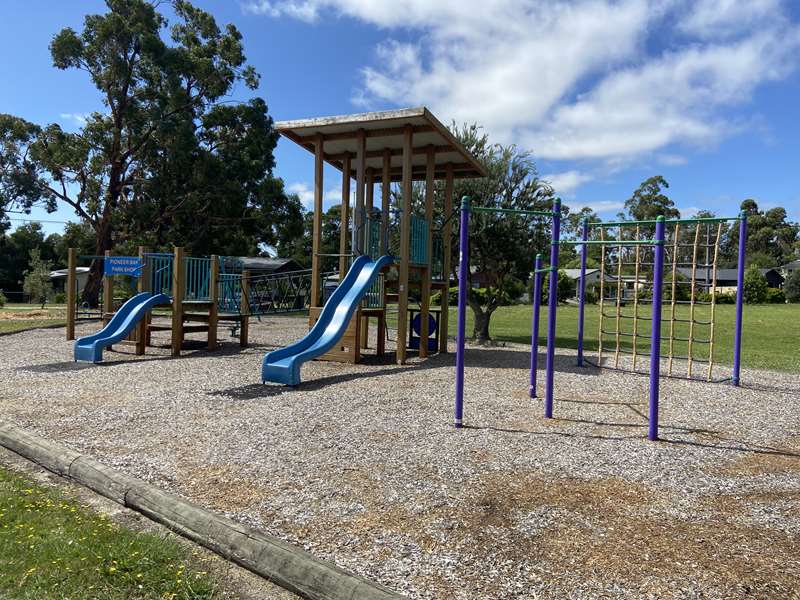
(361, 465)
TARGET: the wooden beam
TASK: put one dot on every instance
(355, 135)
(447, 232)
(393, 152)
(343, 262)
(178, 291)
(370, 190)
(213, 297)
(405, 239)
(244, 325)
(72, 291)
(425, 301)
(142, 285)
(386, 182)
(361, 150)
(316, 243)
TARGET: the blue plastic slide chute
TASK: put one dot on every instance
(90, 348)
(283, 366)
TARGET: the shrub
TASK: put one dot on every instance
(755, 286)
(60, 298)
(775, 296)
(37, 282)
(792, 287)
(566, 287)
(3, 299)
(726, 298)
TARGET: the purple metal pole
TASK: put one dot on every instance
(552, 305)
(537, 301)
(737, 342)
(655, 340)
(582, 288)
(463, 274)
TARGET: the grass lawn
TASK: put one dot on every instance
(769, 340)
(53, 547)
(19, 317)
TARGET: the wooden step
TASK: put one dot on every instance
(195, 304)
(197, 317)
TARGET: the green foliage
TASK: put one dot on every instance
(3, 299)
(565, 288)
(52, 547)
(791, 287)
(755, 286)
(775, 296)
(37, 283)
(721, 297)
(772, 239)
(649, 201)
(60, 298)
(170, 159)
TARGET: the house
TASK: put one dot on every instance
(262, 265)
(59, 278)
(789, 268)
(727, 279)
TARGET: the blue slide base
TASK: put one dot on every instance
(90, 348)
(283, 366)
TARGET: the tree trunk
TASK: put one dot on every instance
(103, 229)
(481, 329)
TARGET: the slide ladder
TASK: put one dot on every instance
(283, 366)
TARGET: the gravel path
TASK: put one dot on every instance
(361, 466)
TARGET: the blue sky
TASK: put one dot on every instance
(604, 93)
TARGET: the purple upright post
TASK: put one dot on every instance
(537, 301)
(582, 288)
(655, 340)
(737, 342)
(463, 274)
(552, 305)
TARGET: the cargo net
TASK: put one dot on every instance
(690, 296)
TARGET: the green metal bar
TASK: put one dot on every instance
(545, 270)
(611, 242)
(668, 221)
(512, 211)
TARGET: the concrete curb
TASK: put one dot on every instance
(272, 558)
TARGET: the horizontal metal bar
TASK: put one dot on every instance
(666, 221)
(612, 242)
(513, 211)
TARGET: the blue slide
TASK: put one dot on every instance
(283, 366)
(90, 348)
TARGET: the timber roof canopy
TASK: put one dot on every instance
(384, 133)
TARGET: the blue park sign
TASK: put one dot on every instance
(123, 265)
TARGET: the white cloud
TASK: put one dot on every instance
(603, 207)
(304, 192)
(721, 18)
(75, 118)
(610, 81)
(568, 181)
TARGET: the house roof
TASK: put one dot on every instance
(722, 274)
(384, 134)
(62, 273)
(576, 273)
(791, 266)
(259, 263)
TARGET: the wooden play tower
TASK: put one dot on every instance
(402, 146)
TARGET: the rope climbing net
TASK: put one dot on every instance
(690, 292)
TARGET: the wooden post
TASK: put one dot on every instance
(424, 309)
(142, 285)
(370, 181)
(317, 232)
(178, 291)
(72, 291)
(343, 262)
(213, 298)
(385, 196)
(447, 233)
(244, 328)
(405, 240)
(108, 293)
(361, 156)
